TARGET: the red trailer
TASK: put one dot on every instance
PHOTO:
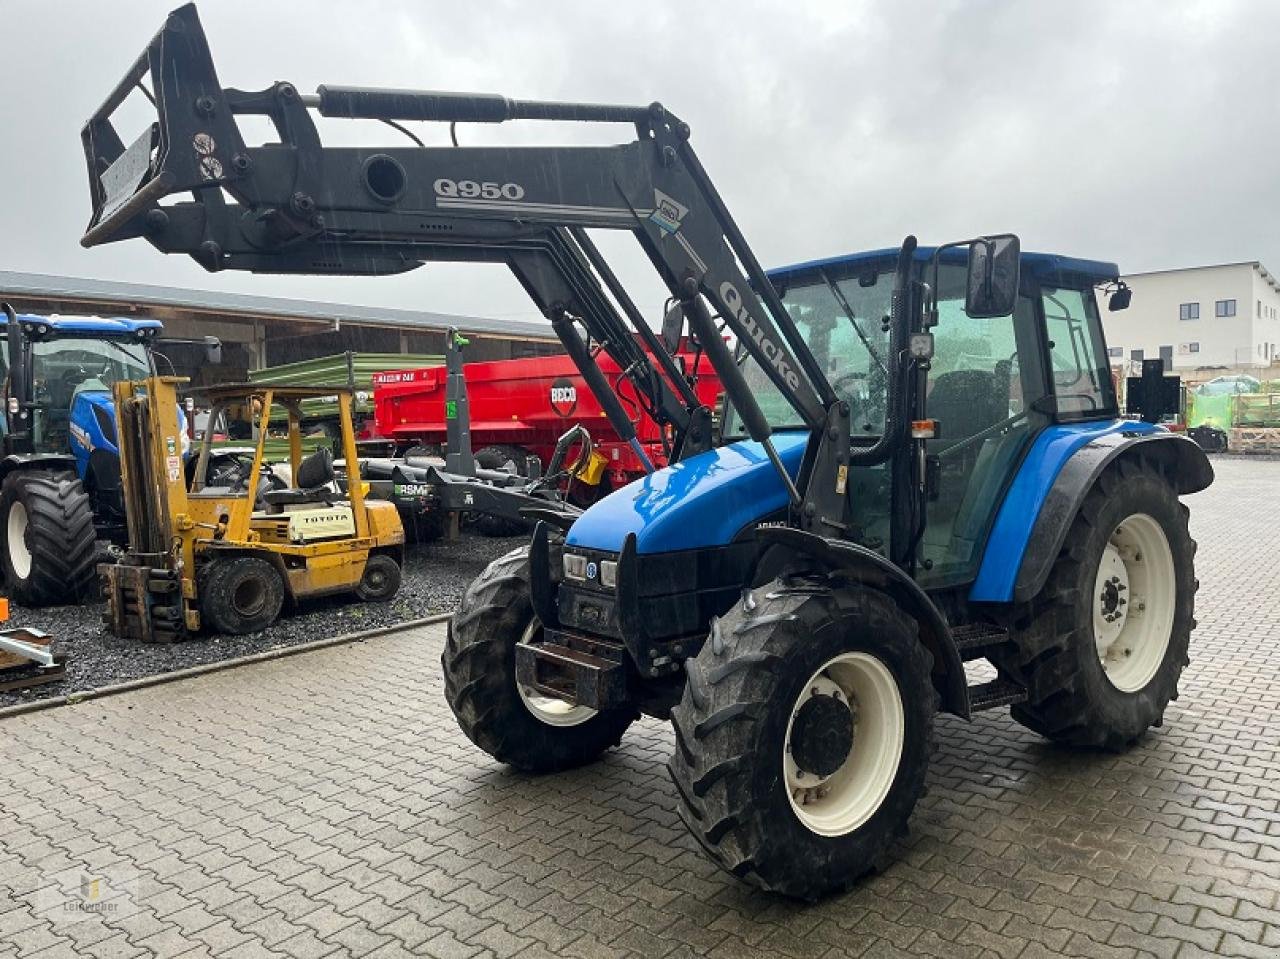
(526, 405)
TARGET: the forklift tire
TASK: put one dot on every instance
(1097, 675)
(513, 725)
(240, 594)
(496, 458)
(797, 684)
(381, 579)
(50, 543)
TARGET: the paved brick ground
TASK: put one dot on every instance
(326, 804)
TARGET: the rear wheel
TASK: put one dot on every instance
(241, 594)
(50, 543)
(1105, 644)
(515, 725)
(803, 736)
(381, 579)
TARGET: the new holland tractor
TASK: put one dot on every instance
(60, 474)
(925, 462)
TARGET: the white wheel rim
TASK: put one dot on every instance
(548, 709)
(19, 554)
(1133, 602)
(842, 802)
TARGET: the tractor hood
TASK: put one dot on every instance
(699, 502)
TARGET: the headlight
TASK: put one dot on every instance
(608, 573)
(575, 567)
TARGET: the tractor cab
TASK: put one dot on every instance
(989, 387)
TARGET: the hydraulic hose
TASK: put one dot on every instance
(573, 344)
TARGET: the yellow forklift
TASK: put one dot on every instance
(224, 540)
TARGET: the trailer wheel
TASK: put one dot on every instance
(241, 594)
(381, 579)
(50, 543)
(803, 736)
(1106, 643)
(497, 458)
(513, 725)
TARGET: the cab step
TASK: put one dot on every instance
(975, 640)
(996, 693)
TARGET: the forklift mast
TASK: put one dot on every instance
(298, 206)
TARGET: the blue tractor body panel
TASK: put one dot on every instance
(702, 501)
(1007, 543)
(92, 427)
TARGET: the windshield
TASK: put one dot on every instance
(842, 322)
(60, 368)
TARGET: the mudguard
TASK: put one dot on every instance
(879, 573)
(1024, 543)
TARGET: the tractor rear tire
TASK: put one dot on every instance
(513, 725)
(761, 719)
(240, 594)
(50, 543)
(381, 579)
(496, 458)
(1096, 674)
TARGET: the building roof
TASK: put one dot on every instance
(110, 296)
(1266, 274)
(1044, 266)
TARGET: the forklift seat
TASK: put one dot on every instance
(314, 481)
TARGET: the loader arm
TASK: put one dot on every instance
(298, 206)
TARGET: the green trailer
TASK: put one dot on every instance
(351, 369)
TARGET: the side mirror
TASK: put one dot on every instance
(673, 327)
(1120, 299)
(212, 350)
(992, 287)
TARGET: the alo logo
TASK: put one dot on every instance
(564, 397)
(667, 212)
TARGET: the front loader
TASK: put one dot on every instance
(925, 462)
(228, 547)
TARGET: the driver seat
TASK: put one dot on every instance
(314, 483)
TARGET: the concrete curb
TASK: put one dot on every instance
(280, 652)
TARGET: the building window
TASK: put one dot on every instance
(1135, 355)
(1116, 351)
(1224, 308)
(1259, 309)
(1193, 347)
(1189, 311)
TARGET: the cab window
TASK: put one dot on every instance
(1079, 372)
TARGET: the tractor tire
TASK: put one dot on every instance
(50, 543)
(767, 706)
(240, 594)
(1098, 675)
(514, 725)
(496, 458)
(381, 579)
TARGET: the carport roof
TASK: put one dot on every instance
(108, 297)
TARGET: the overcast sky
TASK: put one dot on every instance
(1147, 133)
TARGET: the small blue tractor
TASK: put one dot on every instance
(60, 471)
(924, 461)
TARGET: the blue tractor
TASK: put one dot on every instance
(924, 461)
(60, 473)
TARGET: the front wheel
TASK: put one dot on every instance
(240, 594)
(803, 736)
(381, 579)
(50, 543)
(515, 725)
(1105, 643)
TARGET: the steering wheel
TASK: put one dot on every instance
(848, 386)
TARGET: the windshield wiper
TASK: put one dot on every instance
(848, 311)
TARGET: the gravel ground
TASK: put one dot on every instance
(435, 576)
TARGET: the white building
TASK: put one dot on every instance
(1199, 317)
